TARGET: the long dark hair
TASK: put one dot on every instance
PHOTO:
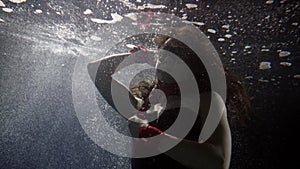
(237, 99)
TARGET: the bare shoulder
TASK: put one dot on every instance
(216, 128)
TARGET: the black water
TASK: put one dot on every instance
(38, 123)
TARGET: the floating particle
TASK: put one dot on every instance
(265, 50)
(221, 39)
(17, 1)
(211, 31)
(249, 77)
(247, 47)
(232, 60)
(232, 44)
(38, 11)
(199, 23)
(130, 46)
(184, 17)
(267, 17)
(263, 80)
(96, 38)
(100, 21)
(1, 20)
(2, 4)
(195, 23)
(294, 24)
(191, 6)
(116, 18)
(88, 12)
(62, 65)
(283, 1)
(269, 2)
(284, 54)
(130, 5)
(8, 10)
(234, 52)
(265, 65)
(287, 64)
(131, 16)
(152, 6)
(225, 26)
(228, 36)
(139, 7)
(297, 76)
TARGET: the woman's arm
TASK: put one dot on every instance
(213, 154)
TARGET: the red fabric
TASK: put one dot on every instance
(137, 48)
(149, 131)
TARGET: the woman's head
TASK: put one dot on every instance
(237, 99)
(238, 102)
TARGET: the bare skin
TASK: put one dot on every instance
(214, 153)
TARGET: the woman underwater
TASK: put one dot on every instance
(190, 152)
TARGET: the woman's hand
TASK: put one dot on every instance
(135, 123)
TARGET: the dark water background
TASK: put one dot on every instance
(38, 123)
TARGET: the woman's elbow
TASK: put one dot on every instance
(219, 162)
(216, 161)
(222, 162)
